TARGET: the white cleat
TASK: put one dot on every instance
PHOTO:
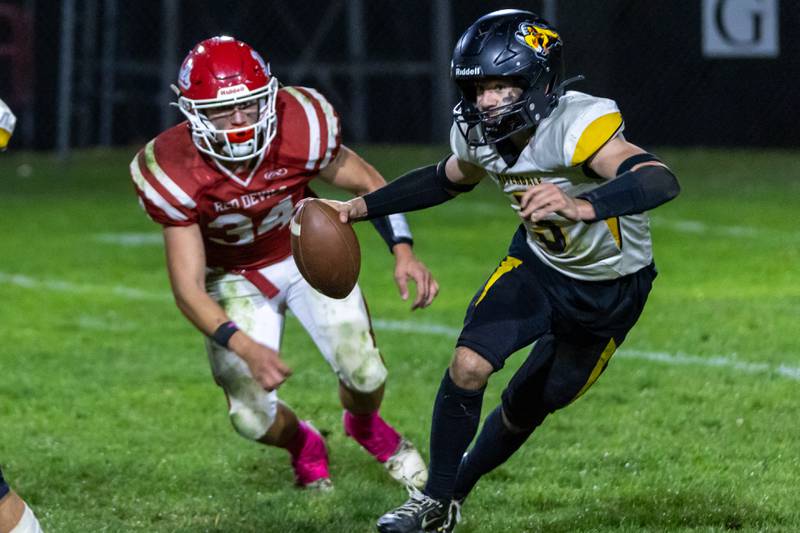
(322, 485)
(407, 466)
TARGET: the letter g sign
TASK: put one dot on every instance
(740, 28)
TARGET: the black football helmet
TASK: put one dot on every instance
(513, 44)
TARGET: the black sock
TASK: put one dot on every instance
(456, 415)
(494, 445)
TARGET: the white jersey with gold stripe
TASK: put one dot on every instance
(7, 123)
(575, 130)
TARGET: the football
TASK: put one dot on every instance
(326, 250)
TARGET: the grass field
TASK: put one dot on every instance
(109, 419)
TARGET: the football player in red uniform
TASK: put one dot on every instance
(223, 184)
(15, 515)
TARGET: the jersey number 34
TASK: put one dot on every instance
(238, 229)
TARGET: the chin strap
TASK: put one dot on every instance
(561, 86)
(556, 95)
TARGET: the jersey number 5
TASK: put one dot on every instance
(238, 229)
(550, 235)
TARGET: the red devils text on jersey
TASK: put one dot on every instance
(245, 224)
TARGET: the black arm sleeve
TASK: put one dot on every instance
(633, 192)
(418, 189)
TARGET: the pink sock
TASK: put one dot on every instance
(309, 456)
(296, 443)
(373, 433)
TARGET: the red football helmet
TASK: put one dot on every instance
(221, 72)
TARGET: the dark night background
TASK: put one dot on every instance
(646, 55)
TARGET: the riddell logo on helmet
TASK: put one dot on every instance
(469, 71)
(233, 91)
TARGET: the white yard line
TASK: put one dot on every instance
(413, 326)
(702, 228)
(410, 326)
(677, 359)
(694, 227)
(130, 293)
(129, 239)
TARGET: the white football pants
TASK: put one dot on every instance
(340, 328)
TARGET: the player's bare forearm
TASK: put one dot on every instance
(186, 268)
(402, 250)
(351, 172)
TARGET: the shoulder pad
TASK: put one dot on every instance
(577, 129)
(594, 121)
(162, 175)
(7, 123)
(308, 129)
(459, 146)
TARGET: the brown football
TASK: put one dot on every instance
(326, 250)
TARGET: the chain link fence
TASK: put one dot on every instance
(84, 73)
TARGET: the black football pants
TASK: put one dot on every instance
(577, 325)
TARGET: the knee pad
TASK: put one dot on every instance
(359, 365)
(250, 424)
(252, 416)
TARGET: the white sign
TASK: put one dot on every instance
(740, 28)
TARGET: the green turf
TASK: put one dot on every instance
(111, 422)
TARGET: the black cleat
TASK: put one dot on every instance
(420, 513)
(452, 517)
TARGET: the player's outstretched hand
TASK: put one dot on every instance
(408, 267)
(265, 364)
(350, 211)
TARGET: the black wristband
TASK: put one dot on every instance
(224, 333)
(393, 229)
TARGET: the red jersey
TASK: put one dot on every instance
(245, 224)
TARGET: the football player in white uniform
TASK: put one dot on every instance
(7, 123)
(15, 515)
(578, 270)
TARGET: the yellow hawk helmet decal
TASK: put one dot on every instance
(539, 38)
